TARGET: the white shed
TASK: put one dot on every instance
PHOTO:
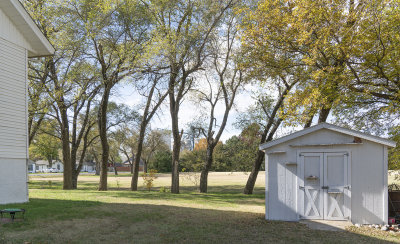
(20, 39)
(327, 172)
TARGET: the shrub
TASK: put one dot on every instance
(148, 179)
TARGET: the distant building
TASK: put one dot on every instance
(59, 166)
(126, 166)
(88, 166)
(31, 166)
(43, 166)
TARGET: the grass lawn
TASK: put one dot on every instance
(224, 215)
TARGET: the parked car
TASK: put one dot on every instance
(50, 170)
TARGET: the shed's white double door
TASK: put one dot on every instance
(324, 186)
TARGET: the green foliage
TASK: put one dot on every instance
(394, 153)
(237, 154)
(344, 52)
(161, 161)
(164, 189)
(192, 161)
(45, 146)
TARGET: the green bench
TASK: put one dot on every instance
(12, 212)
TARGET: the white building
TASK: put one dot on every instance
(41, 166)
(20, 39)
(58, 166)
(327, 172)
(88, 166)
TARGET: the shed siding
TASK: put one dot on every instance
(13, 115)
(367, 176)
(367, 183)
(9, 32)
(282, 198)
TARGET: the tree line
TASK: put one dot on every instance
(309, 61)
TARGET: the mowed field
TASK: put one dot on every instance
(223, 215)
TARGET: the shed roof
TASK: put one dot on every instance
(25, 24)
(328, 126)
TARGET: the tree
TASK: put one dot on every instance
(154, 142)
(37, 105)
(183, 30)
(240, 151)
(116, 51)
(348, 48)
(114, 155)
(275, 55)
(155, 95)
(161, 161)
(127, 140)
(45, 145)
(68, 80)
(224, 79)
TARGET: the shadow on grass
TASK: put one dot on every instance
(66, 221)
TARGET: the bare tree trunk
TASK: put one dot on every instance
(75, 180)
(254, 173)
(147, 116)
(97, 164)
(131, 165)
(323, 115)
(174, 104)
(102, 123)
(270, 132)
(145, 166)
(175, 164)
(67, 175)
(309, 121)
(259, 160)
(97, 168)
(206, 168)
(33, 128)
(115, 169)
(136, 164)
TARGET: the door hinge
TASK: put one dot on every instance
(347, 187)
(325, 187)
(301, 187)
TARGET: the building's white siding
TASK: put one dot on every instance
(13, 115)
(368, 181)
(9, 32)
(13, 120)
(20, 38)
(13, 181)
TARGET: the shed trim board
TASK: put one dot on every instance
(385, 183)
(325, 176)
(328, 126)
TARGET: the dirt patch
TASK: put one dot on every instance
(9, 220)
(67, 231)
